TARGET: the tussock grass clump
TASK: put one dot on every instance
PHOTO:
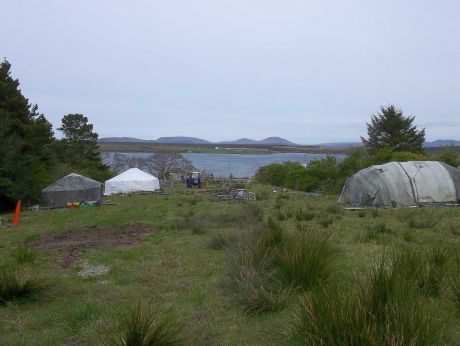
(329, 316)
(408, 236)
(239, 216)
(259, 290)
(435, 270)
(24, 255)
(281, 216)
(273, 234)
(455, 230)
(263, 195)
(422, 219)
(307, 258)
(218, 241)
(373, 233)
(375, 212)
(382, 228)
(303, 215)
(454, 285)
(18, 284)
(385, 309)
(304, 227)
(362, 213)
(198, 227)
(147, 327)
(367, 236)
(252, 278)
(195, 199)
(334, 209)
(325, 221)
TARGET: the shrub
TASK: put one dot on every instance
(263, 195)
(307, 258)
(147, 327)
(17, 284)
(24, 255)
(449, 156)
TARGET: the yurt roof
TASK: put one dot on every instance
(71, 182)
(132, 174)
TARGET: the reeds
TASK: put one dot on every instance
(385, 309)
(306, 258)
(18, 284)
(146, 326)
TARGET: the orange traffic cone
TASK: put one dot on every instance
(17, 214)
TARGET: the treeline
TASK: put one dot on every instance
(30, 155)
(392, 136)
(329, 174)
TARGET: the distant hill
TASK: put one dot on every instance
(442, 143)
(275, 141)
(241, 141)
(194, 140)
(341, 145)
(181, 140)
(266, 141)
(124, 140)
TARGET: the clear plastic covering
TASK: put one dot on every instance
(402, 184)
(72, 188)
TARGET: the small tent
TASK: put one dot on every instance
(403, 184)
(132, 180)
(72, 188)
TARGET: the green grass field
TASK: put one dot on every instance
(233, 273)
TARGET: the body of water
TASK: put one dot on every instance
(237, 165)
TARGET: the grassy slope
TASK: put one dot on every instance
(175, 268)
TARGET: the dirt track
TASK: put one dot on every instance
(70, 244)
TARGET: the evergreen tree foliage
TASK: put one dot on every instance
(392, 130)
(26, 156)
(78, 150)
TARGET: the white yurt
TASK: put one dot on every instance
(131, 181)
(403, 184)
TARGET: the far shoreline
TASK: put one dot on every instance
(216, 148)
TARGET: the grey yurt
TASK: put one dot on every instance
(72, 188)
(403, 184)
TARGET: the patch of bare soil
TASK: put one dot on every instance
(70, 244)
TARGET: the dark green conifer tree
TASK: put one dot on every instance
(26, 154)
(390, 129)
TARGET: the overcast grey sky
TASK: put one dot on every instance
(308, 71)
